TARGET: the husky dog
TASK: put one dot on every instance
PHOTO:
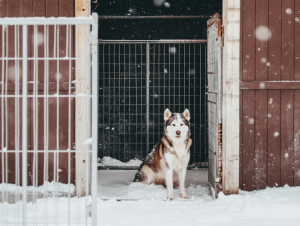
(167, 162)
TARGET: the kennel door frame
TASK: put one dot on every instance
(214, 102)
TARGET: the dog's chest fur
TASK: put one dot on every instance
(178, 155)
(176, 162)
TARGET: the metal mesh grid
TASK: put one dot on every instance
(131, 109)
(122, 100)
(177, 82)
(39, 92)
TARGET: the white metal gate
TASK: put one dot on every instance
(41, 94)
(214, 74)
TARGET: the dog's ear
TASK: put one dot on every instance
(167, 114)
(186, 114)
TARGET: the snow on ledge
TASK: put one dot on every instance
(51, 187)
(108, 161)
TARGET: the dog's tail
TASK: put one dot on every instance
(138, 175)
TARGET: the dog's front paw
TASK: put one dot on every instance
(170, 196)
(184, 196)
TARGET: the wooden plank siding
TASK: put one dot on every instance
(269, 94)
(40, 8)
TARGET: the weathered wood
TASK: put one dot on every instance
(266, 85)
(275, 40)
(261, 139)
(296, 138)
(66, 9)
(248, 139)
(274, 138)
(297, 36)
(288, 35)
(297, 98)
(260, 120)
(248, 96)
(261, 48)
(241, 103)
(230, 104)
(248, 41)
(241, 142)
(82, 9)
(214, 102)
(287, 137)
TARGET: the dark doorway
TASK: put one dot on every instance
(129, 123)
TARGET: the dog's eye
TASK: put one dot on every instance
(173, 125)
(181, 124)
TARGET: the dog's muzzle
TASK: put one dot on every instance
(178, 132)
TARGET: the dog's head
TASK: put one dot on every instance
(177, 125)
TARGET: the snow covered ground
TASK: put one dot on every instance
(272, 206)
(117, 184)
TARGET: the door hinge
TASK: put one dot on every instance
(219, 28)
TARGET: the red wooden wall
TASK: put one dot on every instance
(270, 94)
(39, 8)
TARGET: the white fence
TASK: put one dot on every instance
(48, 105)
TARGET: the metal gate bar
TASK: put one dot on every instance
(39, 90)
(166, 73)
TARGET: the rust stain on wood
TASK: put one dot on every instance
(220, 156)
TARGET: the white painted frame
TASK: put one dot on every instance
(83, 75)
(230, 105)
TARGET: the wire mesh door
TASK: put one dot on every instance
(40, 90)
(138, 81)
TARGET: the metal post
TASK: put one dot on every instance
(147, 92)
(24, 124)
(95, 95)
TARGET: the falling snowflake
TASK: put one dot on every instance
(250, 121)
(288, 11)
(192, 71)
(38, 39)
(271, 101)
(158, 2)
(172, 50)
(263, 33)
(263, 60)
(167, 4)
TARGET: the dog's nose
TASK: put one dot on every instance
(177, 132)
